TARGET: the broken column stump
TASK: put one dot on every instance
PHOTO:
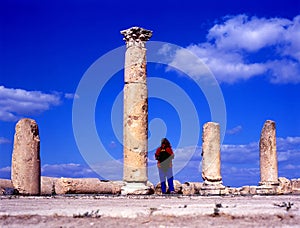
(135, 117)
(26, 167)
(211, 160)
(268, 159)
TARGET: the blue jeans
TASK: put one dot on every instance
(163, 175)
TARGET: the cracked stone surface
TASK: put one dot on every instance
(135, 131)
(268, 155)
(26, 166)
(211, 157)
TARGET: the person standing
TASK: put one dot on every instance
(164, 156)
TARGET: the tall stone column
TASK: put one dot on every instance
(211, 160)
(26, 167)
(135, 117)
(268, 155)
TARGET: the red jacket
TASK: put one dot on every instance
(159, 151)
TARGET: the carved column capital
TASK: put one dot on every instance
(136, 36)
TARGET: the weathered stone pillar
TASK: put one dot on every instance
(211, 159)
(26, 167)
(135, 111)
(268, 155)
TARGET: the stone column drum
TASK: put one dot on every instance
(211, 160)
(268, 155)
(26, 167)
(135, 106)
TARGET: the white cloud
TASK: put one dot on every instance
(290, 146)
(241, 47)
(250, 34)
(17, 102)
(5, 172)
(5, 169)
(240, 154)
(234, 130)
(67, 170)
(4, 140)
(71, 96)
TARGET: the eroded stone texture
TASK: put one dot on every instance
(135, 109)
(211, 157)
(191, 188)
(268, 155)
(136, 36)
(285, 186)
(295, 186)
(86, 186)
(26, 168)
(48, 185)
(135, 65)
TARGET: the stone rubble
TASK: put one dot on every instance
(26, 176)
(61, 186)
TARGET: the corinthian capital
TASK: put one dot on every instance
(136, 36)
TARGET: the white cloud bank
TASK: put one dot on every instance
(16, 103)
(67, 170)
(243, 47)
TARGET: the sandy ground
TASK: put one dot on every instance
(150, 211)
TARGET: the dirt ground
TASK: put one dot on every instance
(150, 211)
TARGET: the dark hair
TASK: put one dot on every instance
(165, 142)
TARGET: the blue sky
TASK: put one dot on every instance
(252, 49)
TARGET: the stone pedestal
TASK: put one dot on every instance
(26, 167)
(211, 159)
(135, 111)
(268, 156)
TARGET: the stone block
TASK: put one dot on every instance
(285, 186)
(48, 185)
(295, 186)
(245, 190)
(85, 186)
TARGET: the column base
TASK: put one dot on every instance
(267, 188)
(269, 183)
(212, 188)
(135, 188)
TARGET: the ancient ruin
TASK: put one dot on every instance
(135, 130)
(26, 178)
(26, 167)
(211, 159)
(268, 158)
(268, 155)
